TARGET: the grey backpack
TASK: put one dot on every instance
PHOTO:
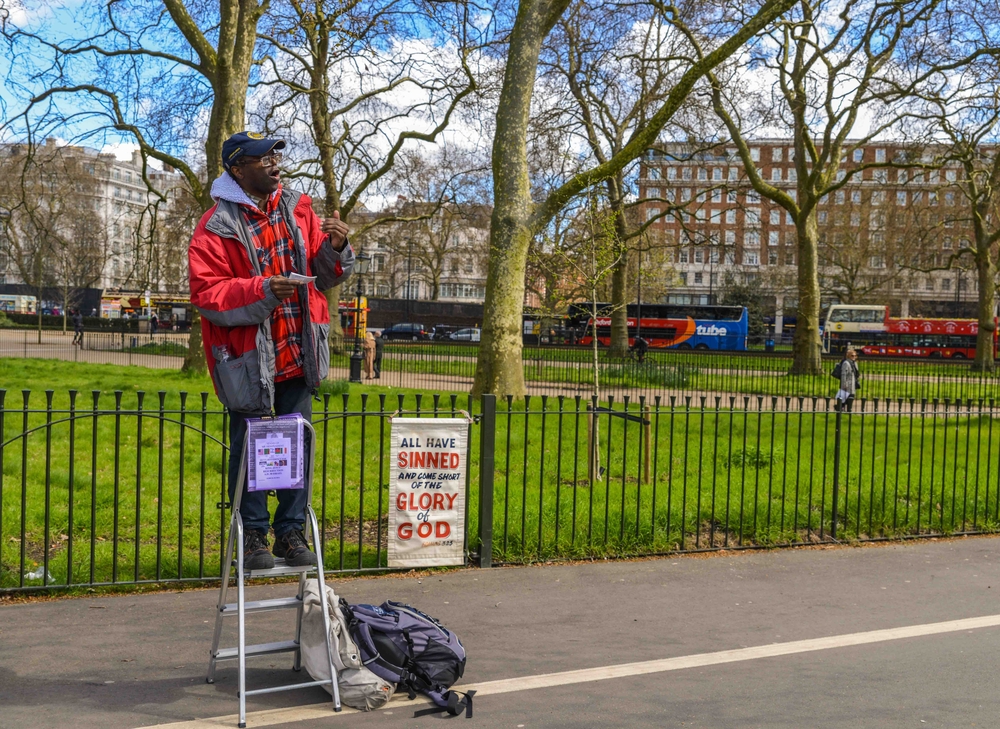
(410, 648)
(359, 687)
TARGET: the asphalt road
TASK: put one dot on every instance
(140, 660)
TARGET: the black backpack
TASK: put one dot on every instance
(410, 648)
(836, 371)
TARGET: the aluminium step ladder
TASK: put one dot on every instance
(233, 570)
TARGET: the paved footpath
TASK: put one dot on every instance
(902, 635)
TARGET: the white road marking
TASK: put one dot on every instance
(272, 717)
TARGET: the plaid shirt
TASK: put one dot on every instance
(271, 239)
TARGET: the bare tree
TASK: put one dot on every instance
(53, 233)
(517, 218)
(824, 65)
(167, 75)
(612, 82)
(329, 73)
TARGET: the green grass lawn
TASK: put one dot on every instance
(144, 498)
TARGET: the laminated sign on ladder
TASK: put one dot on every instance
(276, 447)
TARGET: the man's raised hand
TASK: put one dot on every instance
(337, 230)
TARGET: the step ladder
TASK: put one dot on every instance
(233, 570)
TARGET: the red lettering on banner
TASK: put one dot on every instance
(405, 530)
(400, 502)
(424, 530)
(432, 460)
(401, 460)
(425, 501)
(417, 459)
(438, 501)
(443, 529)
(454, 460)
(451, 499)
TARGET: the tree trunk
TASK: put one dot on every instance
(806, 349)
(194, 358)
(499, 368)
(987, 271)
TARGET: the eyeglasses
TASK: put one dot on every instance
(269, 160)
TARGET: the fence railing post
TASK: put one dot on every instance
(487, 448)
(836, 475)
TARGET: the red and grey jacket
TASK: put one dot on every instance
(235, 300)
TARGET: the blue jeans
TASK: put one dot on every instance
(290, 396)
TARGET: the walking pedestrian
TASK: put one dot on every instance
(240, 258)
(850, 380)
(154, 324)
(77, 328)
(379, 347)
(368, 350)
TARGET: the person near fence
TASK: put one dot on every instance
(77, 328)
(368, 350)
(265, 335)
(154, 324)
(850, 380)
(379, 350)
(639, 348)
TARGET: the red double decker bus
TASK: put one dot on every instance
(932, 338)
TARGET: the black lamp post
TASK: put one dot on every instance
(361, 262)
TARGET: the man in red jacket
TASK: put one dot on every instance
(266, 337)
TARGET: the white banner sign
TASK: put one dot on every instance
(427, 492)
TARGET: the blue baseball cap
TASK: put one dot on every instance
(252, 144)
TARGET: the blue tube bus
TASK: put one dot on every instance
(677, 326)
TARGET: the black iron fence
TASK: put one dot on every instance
(572, 370)
(123, 488)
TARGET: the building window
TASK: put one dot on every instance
(753, 197)
(698, 278)
(671, 173)
(654, 173)
(775, 174)
(684, 278)
(702, 174)
(699, 255)
(946, 284)
(901, 197)
(772, 238)
(821, 216)
(682, 255)
(950, 175)
(751, 239)
(878, 197)
(949, 198)
(946, 244)
(880, 155)
(772, 258)
(716, 217)
(876, 262)
(792, 174)
(732, 174)
(730, 216)
(789, 258)
(752, 217)
(859, 155)
(929, 284)
(731, 197)
(713, 255)
(856, 197)
(840, 197)
(776, 154)
(652, 213)
(730, 257)
(880, 176)
(717, 195)
(685, 194)
(855, 219)
(902, 177)
(717, 174)
(774, 217)
(686, 173)
(751, 258)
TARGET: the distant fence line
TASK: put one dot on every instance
(103, 488)
(552, 370)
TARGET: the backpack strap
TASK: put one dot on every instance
(455, 703)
